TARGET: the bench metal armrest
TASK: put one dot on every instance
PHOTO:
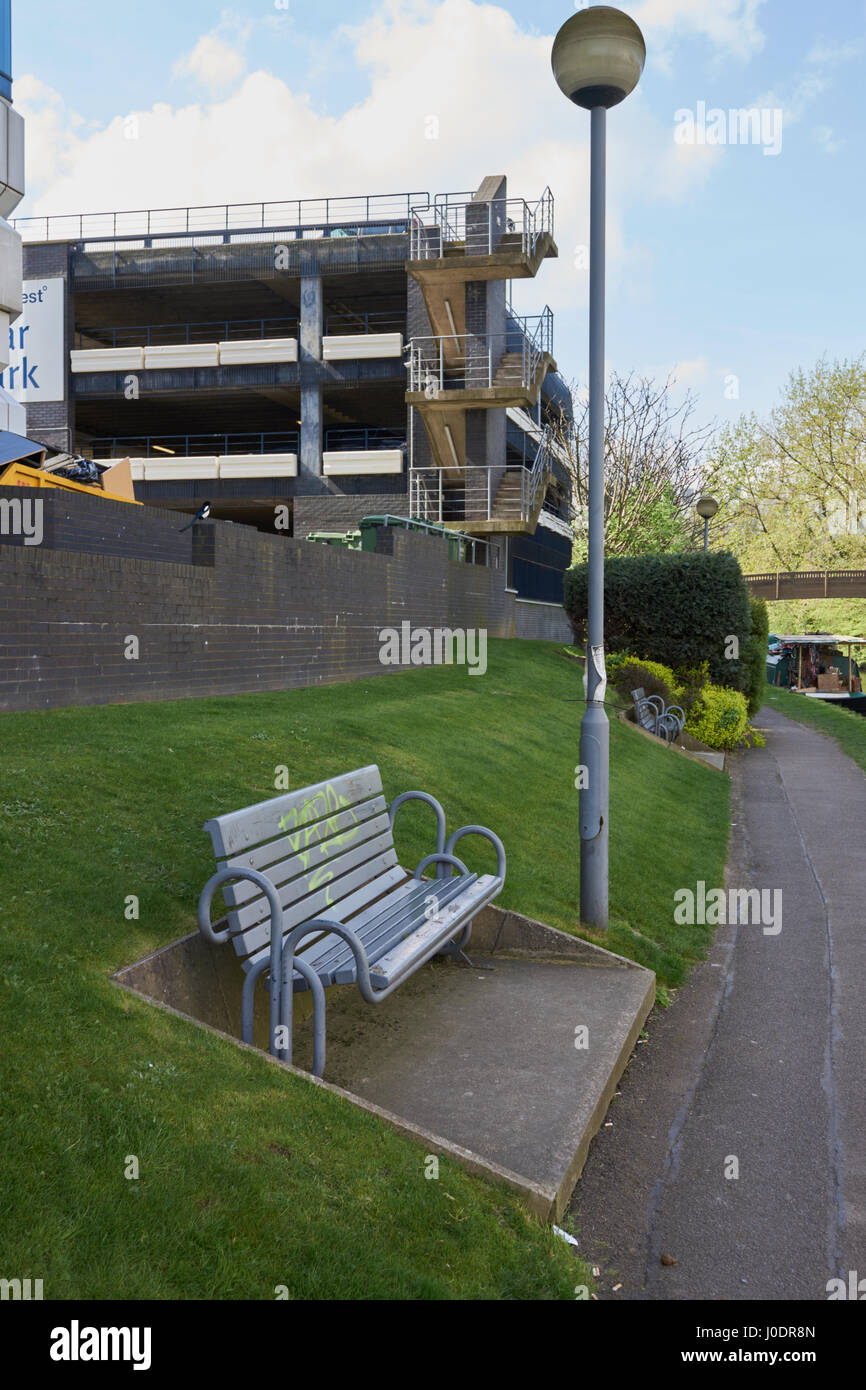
(678, 712)
(290, 963)
(431, 801)
(222, 876)
(440, 859)
(488, 835)
(218, 938)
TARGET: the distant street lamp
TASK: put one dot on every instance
(707, 508)
(598, 57)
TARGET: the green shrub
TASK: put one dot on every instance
(691, 681)
(613, 661)
(677, 609)
(719, 717)
(755, 655)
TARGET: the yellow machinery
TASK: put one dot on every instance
(116, 482)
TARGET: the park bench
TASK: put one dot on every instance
(315, 896)
(651, 713)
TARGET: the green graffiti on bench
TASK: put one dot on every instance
(308, 828)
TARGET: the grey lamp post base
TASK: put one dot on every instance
(594, 756)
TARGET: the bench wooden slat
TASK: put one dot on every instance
(236, 831)
(332, 958)
(347, 840)
(320, 903)
(331, 950)
(382, 937)
(273, 851)
(380, 927)
(356, 910)
(432, 935)
(329, 874)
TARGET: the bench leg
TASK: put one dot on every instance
(287, 994)
(285, 1022)
(248, 1000)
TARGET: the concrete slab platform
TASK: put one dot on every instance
(487, 1058)
(508, 1065)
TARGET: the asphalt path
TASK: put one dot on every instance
(737, 1147)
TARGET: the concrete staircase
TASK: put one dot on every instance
(484, 239)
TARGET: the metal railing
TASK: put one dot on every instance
(464, 547)
(357, 437)
(195, 445)
(367, 213)
(480, 227)
(510, 493)
(167, 334)
(479, 361)
(536, 487)
(349, 323)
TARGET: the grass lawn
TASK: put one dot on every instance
(848, 729)
(250, 1178)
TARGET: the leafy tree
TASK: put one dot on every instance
(653, 457)
(792, 488)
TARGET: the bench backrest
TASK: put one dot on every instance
(328, 849)
(643, 713)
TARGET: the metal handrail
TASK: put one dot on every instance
(228, 217)
(469, 543)
(197, 445)
(450, 222)
(366, 437)
(334, 323)
(475, 498)
(433, 369)
(538, 473)
(224, 326)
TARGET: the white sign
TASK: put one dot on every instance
(36, 370)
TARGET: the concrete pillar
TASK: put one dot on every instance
(310, 355)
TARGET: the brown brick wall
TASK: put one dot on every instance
(332, 512)
(226, 610)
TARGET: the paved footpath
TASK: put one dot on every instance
(760, 1059)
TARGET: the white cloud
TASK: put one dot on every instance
(461, 71)
(829, 54)
(732, 25)
(213, 62)
(824, 136)
(688, 373)
(50, 130)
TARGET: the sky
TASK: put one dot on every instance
(732, 259)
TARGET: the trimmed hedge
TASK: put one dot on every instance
(676, 609)
(755, 655)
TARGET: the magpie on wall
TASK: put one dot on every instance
(201, 515)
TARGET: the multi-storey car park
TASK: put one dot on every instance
(305, 364)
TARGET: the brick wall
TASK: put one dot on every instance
(92, 526)
(226, 610)
(336, 512)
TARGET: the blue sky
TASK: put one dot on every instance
(727, 264)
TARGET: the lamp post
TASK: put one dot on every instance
(598, 57)
(707, 508)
